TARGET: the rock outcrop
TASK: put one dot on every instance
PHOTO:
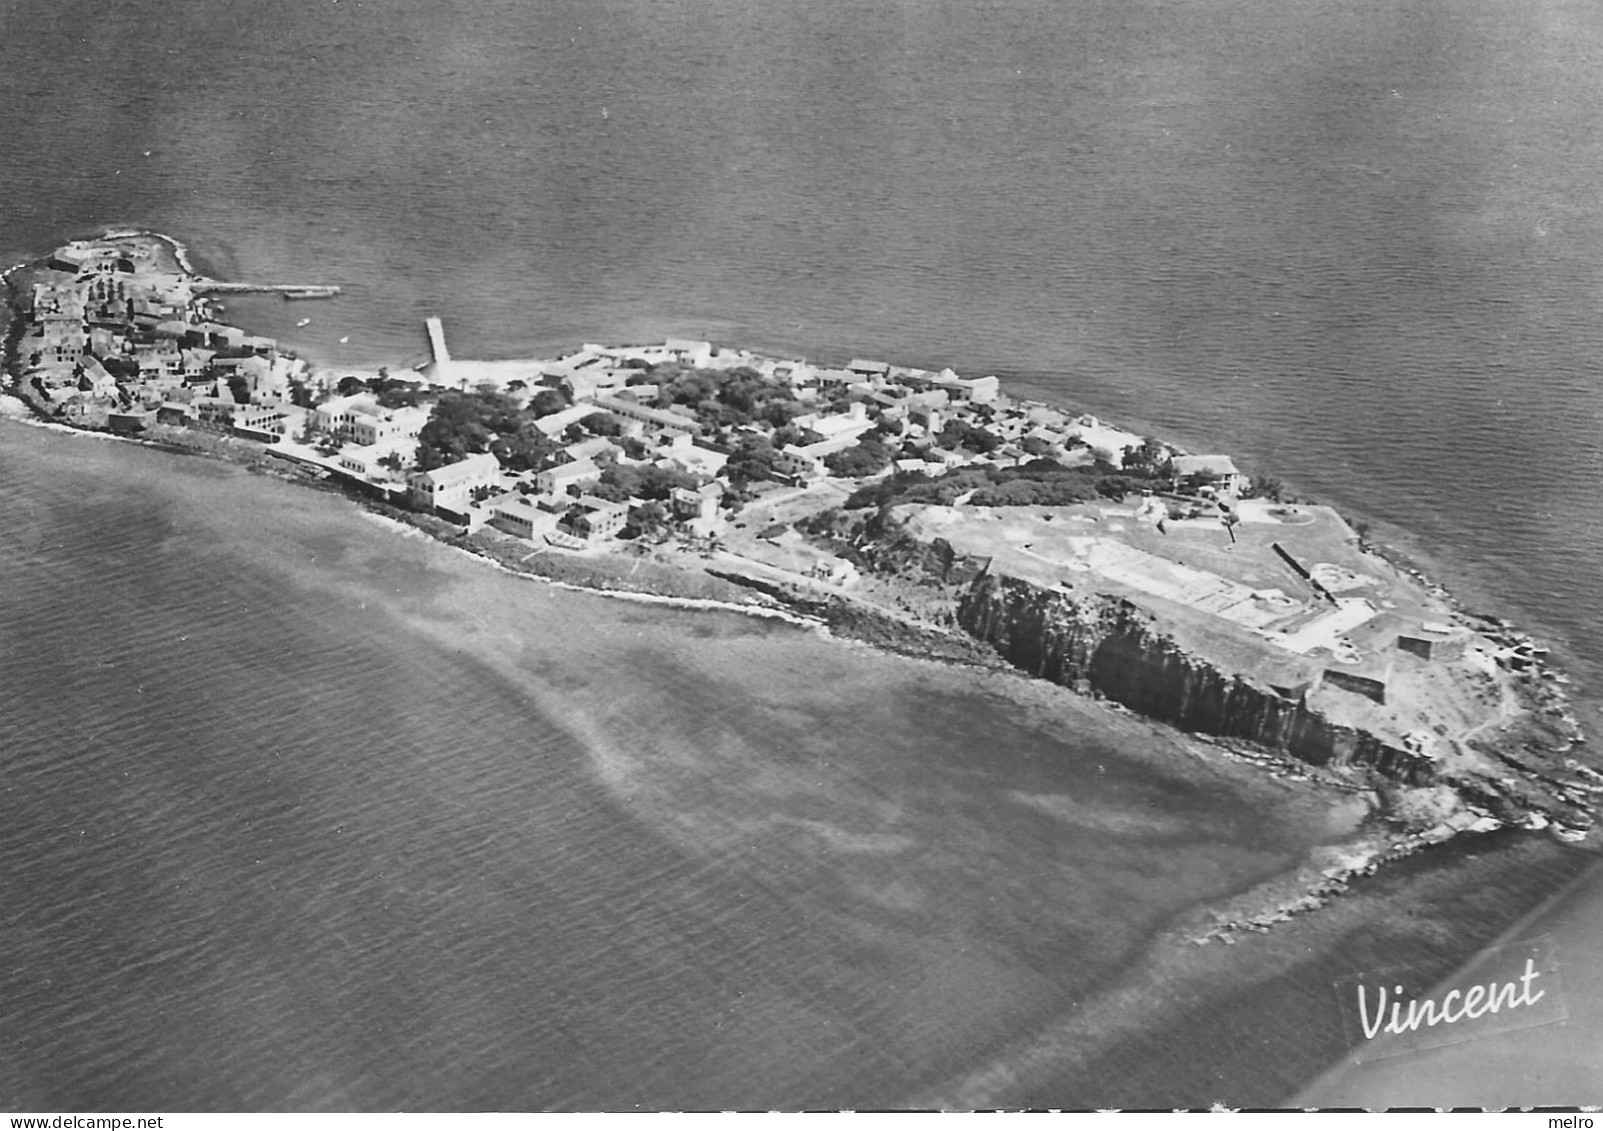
(1109, 646)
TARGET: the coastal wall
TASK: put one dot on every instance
(1107, 645)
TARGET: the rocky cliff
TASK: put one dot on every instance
(1107, 645)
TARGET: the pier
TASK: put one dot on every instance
(288, 290)
(442, 370)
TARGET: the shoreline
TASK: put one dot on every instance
(658, 588)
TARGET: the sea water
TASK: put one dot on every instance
(1356, 245)
(301, 812)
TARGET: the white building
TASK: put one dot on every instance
(556, 480)
(692, 353)
(520, 515)
(361, 420)
(798, 465)
(1219, 471)
(452, 486)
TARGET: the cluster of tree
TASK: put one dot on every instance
(752, 461)
(867, 457)
(1038, 483)
(527, 449)
(596, 424)
(463, 423)
(724, 397)
(650, 520)
(547, 401)
(1150, 459)
(387, 391)
(121, 368)
(960, 433)
(622, 481)
(917, 487)
(1060, 491)
(1265, 487)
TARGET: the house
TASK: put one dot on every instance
(555, 422)
(697, 508)
(105, 341)
(174, 414)
(686, 352)
(1217, 472)
(162, 359)
(127, 422)
(871, 371)
(592, 518)
(597, 447)
(557, 480)
(926, 416)
(849, 425)
(96, 381)
(640, 393)
(587, 384)
(195, 363)
(630, 410)
(797, 466)
(521, 516)
(263, 380)
(387, 425)
(361, 420)
(980, 390)
(266, 423)
(217, 335)
(216, 414)
(829, 379)
(450, 488)
(693, 458)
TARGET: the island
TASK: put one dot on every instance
(917, 510)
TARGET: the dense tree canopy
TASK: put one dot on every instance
(751, 462)
(867, 457)
(463, 423)
(622, 481)
(724, 396)
(961, 433)
(547, 401)
(391, 392)
(1041, 482)
(122, 368)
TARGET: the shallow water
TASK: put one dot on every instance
(301, 812)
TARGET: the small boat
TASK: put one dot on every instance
(344, 340)
(304, 322)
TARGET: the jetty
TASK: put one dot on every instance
(442, 370)
(288, 290)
